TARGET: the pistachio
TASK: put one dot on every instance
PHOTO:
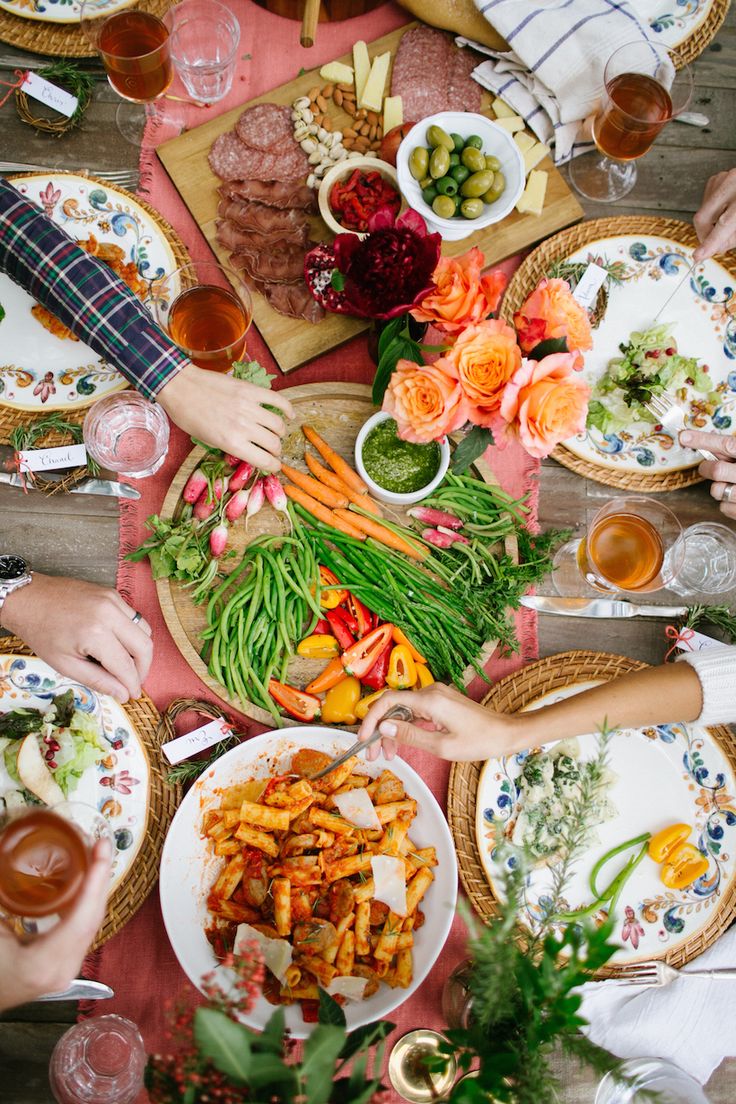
(307, 116)
(300, 131)
(315, 157)
(300, 103)
(309, 145)
(311, 181)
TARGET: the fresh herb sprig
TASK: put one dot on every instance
(721, 617)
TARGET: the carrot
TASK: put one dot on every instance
(337, 484)
(336, 462)
(383, 534)
(314, 487)
(329, 517)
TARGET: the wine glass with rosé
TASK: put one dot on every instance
(133, 42)
(634, 544)
(645, 86)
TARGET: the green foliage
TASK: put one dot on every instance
(224, 1042)
(721, 617)
(548, 347)
(473, 445)
(2, 312)
(394, 344)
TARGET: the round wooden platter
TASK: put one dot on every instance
(336, 411)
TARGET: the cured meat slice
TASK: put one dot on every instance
(420, 72)
(295, 300)
(276, 266)
(239, 240)
(231, 159)
(287, 223)
(274, 193)
(264, 126)
(463, 93)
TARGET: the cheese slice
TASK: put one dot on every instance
(393, 113)
(511, 123)
(372, 98)
(362, 65)
(502, 110)
(337, 72)
(357, 807)
(277, 953)
(534, 155)
(524, 141)
(531, 201)
(351, 987)
(389, 877)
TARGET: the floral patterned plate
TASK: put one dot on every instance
(672, 22)
(39, 371)
(663, 775)
(118, 786)
(703, 319)
(53, 11)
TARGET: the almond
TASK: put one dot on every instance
(337, 97)
(319, 119)
(349, 106)
(361, 144)
(321, 103)
(379, 132)
(348, 132)
(327, 122)
(365, 129)
(372, 131)
(328, 90)
(313, 93)
(372, 118)
(349, 140)
(345, 87)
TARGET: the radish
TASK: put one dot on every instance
(204, 508)
(236, 504)
(444, 539)
(218, 539)
(429, 516)
(195, 485)
(240, 476)
(218, 488)
(276, 495)
(255, 499)
(230, 460)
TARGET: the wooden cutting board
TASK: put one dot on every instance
(294, 342)
(337, 411)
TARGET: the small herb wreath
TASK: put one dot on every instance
(26, 437)
(68, 76)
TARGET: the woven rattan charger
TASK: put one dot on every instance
(536, 266)
(53, 39)
(510, 695)
(163, 799)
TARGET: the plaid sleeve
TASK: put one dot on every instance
(85, 294)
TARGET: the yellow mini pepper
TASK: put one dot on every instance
(667, 840)
(424, 676)
(682, 863)
(365, 703)
(402, 670)
(339, 706)
(318, 646)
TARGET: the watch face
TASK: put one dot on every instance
(12, 567)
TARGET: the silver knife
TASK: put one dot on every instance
(597, 607)
(88, 486)
(81, 989)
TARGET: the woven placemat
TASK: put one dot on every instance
(10, 417)
(535, 267)
(163, 800)
(511, 694)
(54, 39)
(693, 46)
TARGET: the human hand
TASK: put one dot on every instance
(722, 470)
(715, 221)
(50, 962)
(445, 722)
(83, 631)
(228, 414)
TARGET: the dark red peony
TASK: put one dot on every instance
(379, 276)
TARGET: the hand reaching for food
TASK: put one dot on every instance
(722, 470)
(715, 221)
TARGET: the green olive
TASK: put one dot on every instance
(474, 141)
(471, 208)
(458, 205)
(418, 163)
(426, 181)
(444, 206)
(439, 139)
(439, 163)
(492, 163)
(496, 189)
(454, 160)
(429, 194)
(477, 184)
(460, 173)
(459, 142)
(473, 159)
(447, 186)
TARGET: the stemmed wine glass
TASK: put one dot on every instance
(645, 86)
(133, 43)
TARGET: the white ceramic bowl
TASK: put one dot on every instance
(392, 498)
(497, 142)
(341, 171)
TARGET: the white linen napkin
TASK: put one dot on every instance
(553, 75)
(690, 1021)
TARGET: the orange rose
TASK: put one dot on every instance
(484, 358)
(550, 311)
(545, 403)
(461, 296)
(426, 401)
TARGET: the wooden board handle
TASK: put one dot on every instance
(309, 22)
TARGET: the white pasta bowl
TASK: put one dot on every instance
(189, 869)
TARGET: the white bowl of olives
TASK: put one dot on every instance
(460, 172)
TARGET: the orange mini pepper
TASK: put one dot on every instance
(401, 638)
(318, 646)
(335, 596)
(667, 840)
(402, 671)
(329, 677)
(683, 866)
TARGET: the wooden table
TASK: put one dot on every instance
(79, 535)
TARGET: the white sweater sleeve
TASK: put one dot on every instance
(716, 669)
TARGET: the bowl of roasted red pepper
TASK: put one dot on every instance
(354, 189)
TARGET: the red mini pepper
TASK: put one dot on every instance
(362, 615)
(339, 628)
(322, 628)
(303, 706)
(376, 677)
(360, 196)
(359, 659)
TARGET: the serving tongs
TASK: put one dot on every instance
(398, 712)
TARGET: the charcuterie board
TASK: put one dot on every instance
(337, 411)
(293, 341)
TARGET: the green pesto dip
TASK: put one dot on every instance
(396, 465)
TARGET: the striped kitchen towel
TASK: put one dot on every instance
(553, 74)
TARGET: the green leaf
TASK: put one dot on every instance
(337, 280)
(246, 57)
(546, 348)
(270, 1069)
(271, 1039)
(389, 333)
(364, 1037)
(2, 312)
(318, 1066)
(330, 1011)
(301, 72)
(252, 372)
(401, 348)
(224, 1042)
(473, 445)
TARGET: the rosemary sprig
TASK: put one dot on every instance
(572, 271)
(190, 769)
(719, 616)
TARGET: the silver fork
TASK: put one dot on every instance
(669, 414)
(659, 974)
(124, 178)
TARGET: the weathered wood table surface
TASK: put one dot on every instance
(78, 535)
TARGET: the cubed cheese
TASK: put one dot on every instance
(511, 123)
(502, 110)
(337, 73)
(362, 64)
(372, 98)
(393, 113)
(531, 201)
(534, 155)
(524, 141)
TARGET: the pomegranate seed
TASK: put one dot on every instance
(53, 764)
(671, 351)
(48, 755)
(54, 745)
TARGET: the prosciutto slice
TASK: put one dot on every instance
(269, 221)
(274, 193)
(275, 266)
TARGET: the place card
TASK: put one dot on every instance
(589, 284)
(695, 643)
(50, 94)
(66, 456)
(197, 740)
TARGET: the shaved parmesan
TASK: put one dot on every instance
(389, 876)
(357, 807)
(277, 953)
(351, 987)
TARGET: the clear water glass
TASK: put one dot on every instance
(127, 434)
(98, 1061)
(204, 44)
(709, 566)
(655, 1075)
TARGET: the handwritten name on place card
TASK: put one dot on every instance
(66, 456)
(196, 740)
(50, 94)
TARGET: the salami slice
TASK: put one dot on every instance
(265, 126)
(231, 159)
(463, 93)
(420, 72)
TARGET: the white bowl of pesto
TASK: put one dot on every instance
(411, 472)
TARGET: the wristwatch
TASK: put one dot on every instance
(14, 574)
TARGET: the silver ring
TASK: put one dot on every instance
(137, 616)
(728, 492)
